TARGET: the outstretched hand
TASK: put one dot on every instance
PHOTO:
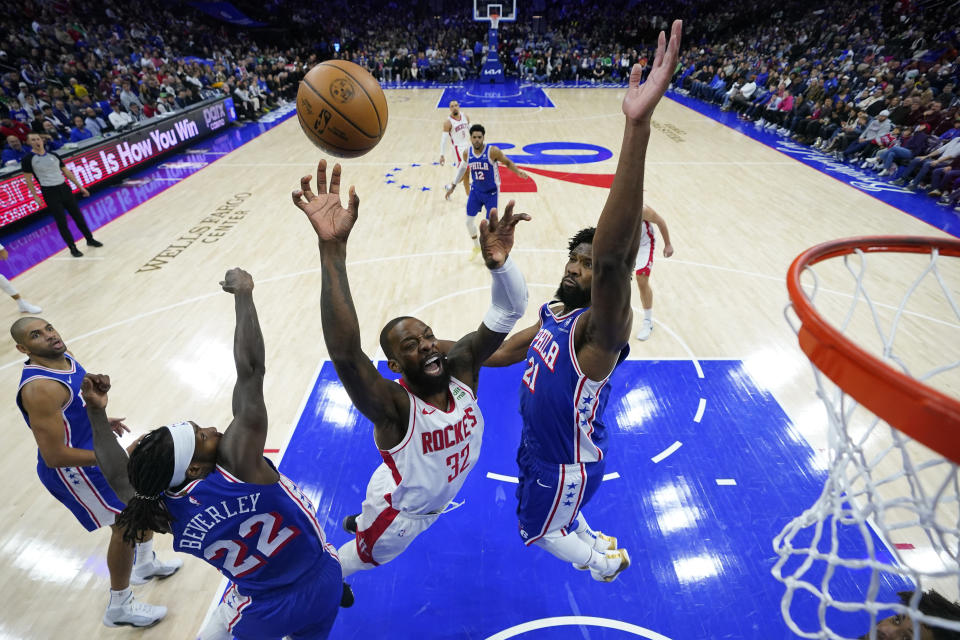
(496, 235)
(642, 99)
(329, 219)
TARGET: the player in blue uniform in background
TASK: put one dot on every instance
(484, 180)
(49, 398)
(227, 504)
(574, 348)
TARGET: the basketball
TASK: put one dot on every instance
(341, 108)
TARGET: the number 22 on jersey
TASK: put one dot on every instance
(236, 559)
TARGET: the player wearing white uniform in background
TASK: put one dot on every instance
(25, 307)
(645, 263)
(456, 130)
(428, 428)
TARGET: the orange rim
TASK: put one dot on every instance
(921, 412)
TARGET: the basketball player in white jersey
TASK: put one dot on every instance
(428, 428)
(456, 130)
(645, 263)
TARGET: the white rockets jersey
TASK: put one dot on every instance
(460, 131)
(439, 450)
(646, 233)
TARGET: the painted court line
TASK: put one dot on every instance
(513, 480)
(660, 457)
(700, 408)
(726, 482)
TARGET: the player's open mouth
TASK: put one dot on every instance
(432, 366)
(56, 343)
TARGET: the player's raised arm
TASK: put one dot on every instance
(618, 230)
(241, 449)
(508, 297)
(383, 403)
(111, 457)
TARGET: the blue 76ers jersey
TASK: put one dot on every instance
(562, 408)
(260, 536)
(484, 173)
(76, 424)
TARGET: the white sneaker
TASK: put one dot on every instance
(601, 543)
(617, 562)
(144, 572)
(26, 307)
(133, 614)
(645, 328)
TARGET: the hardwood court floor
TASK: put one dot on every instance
(147, 308)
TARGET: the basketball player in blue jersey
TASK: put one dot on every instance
(484, 179)
(227, 504)
(573, 350)
(428, 428)
(49, 398)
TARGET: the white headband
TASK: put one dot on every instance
(184, 442)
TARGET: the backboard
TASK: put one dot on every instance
(506, 9)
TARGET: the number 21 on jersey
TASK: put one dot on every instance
(530, 375)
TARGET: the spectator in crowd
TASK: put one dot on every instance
(79, 132)
(872, 134)
(119, 119)
(53, 137)
(13, 152)
(939, 157)
(11, 127)
(128, 97)
(94, 123)
(912, 143)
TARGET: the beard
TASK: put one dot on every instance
(425, 383)
(573, 297)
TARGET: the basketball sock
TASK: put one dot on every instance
(648, 314)
(118, 598)
(583, 529)
(472, 230)
(569, 548)
(143, 552)
(7, 287)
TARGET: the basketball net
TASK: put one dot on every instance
(494, 21)
(844, 558)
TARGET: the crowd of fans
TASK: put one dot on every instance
(871, 83)
(873, 86)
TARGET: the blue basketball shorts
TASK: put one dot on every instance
(305, 610)
(550, 495)
(83, 490)
(481, 199)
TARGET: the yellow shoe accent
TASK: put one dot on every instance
(624, 558)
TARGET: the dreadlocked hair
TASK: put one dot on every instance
(150, 470)
(933, 604)
(584, 235)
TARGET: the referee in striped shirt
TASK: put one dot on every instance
(52, 174)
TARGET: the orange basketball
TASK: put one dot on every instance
(341, 108)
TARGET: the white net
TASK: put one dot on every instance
(888, 519)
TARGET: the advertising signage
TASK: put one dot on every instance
(122, 153)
